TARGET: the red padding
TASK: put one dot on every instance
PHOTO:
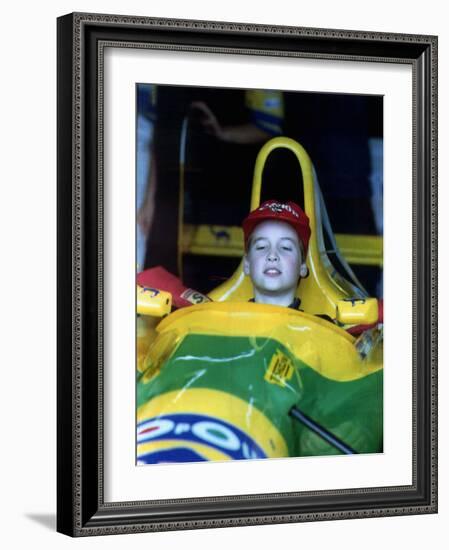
(358, 329)
(380, 305)
(160, 278)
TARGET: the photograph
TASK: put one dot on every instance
(259, 254)
(224, 287)
(247, 258)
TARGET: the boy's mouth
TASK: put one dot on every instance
(272, 272)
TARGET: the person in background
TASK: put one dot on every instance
(265, 111)
(145, 171)
(234, 123)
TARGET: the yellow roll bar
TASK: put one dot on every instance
(201, 240)
(324, 287)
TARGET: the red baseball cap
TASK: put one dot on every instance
(288, 212)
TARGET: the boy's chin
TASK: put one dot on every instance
(270, 286)
(274, 290)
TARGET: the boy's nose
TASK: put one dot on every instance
(273, 257)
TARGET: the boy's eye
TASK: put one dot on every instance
(289, 248)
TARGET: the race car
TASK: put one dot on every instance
(223, 378)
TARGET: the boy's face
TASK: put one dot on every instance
(274, 260)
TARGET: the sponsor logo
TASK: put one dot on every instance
(235, 414)
(272, 102)
(194, 297)
(220, 234)
(152, 291)
(279, 207)
(354, 301)
(189, 431)
(280, 370)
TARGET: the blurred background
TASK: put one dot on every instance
(196, 149)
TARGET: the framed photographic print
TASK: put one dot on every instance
(246, 274)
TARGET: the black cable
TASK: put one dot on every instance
(320, 431)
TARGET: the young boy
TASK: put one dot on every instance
(276, 240)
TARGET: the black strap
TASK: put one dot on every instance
(294, 305)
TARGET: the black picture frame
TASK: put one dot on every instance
(81, 510)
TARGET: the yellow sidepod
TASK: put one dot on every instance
(325, 347)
